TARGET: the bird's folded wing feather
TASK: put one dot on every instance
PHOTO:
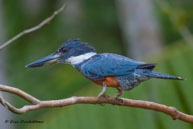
(107, 64)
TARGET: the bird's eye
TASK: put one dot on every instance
(63, 50)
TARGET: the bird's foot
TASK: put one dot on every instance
(117, 97)
(101, 96)
(119, 100)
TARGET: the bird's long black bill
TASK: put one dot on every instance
(51, 59)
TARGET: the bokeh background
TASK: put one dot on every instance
(156, 31)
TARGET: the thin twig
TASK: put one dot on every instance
(37, 27)
(37, 104)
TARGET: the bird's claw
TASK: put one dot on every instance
(119, 100)
(101, 96)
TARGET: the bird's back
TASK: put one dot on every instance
(108, 64)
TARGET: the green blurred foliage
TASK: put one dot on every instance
(98, 25)
(173, 16)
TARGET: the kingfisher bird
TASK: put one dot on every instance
(106, 69)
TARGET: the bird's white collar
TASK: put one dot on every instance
(74, 60)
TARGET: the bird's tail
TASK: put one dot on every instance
(164, 76)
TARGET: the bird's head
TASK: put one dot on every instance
(72, 51)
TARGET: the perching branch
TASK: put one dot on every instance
(37, 27)
(37, 104)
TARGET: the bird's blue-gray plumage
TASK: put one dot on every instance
(129, 73)
(108, 64)
(139, 75)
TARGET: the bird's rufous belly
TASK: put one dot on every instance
(108, 81)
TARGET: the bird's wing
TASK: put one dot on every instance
(107, 64)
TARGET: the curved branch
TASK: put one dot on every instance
(38, 104)
(37, 27)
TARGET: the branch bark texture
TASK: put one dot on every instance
(36, 104)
